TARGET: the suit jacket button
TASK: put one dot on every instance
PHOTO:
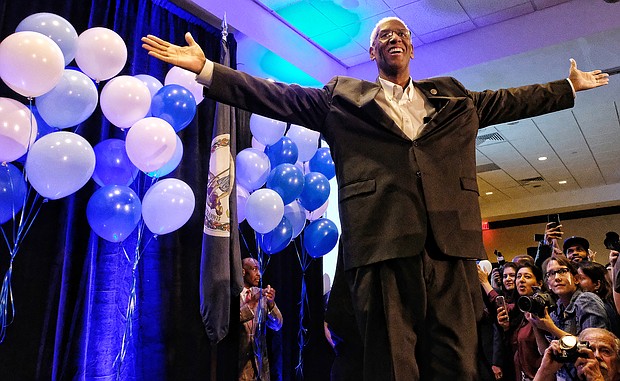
(418, 173)
(415, 143)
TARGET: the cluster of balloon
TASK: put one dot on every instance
(283, 182)
(33, 63)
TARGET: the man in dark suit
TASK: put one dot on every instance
(408, 199)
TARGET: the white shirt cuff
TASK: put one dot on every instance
(569, 82)
(206, 74)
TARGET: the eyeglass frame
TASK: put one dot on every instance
(387, 34)
(553, 273)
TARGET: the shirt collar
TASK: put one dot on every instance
(388, 89)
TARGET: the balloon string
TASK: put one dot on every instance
(7, 306)
(29, 221)
(26, 220)
(303, 303)
(131, 303)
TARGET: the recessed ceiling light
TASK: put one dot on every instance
(562, 182)
(489, 193)
(542, 158)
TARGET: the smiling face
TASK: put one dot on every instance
(392, 49)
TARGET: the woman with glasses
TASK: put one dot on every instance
(575, 311)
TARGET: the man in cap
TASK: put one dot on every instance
(576, 249)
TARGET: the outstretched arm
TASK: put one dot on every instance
(190, 57)
(584, 80)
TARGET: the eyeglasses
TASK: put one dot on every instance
(386, 35)
(553, 273)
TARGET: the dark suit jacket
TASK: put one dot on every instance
(393, 191)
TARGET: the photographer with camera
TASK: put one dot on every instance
(517, 335)
(575, 311)
(595, 356)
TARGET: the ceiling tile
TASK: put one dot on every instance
(277, 4)
(306, 18)
(446, 32)
(479, 8)
(504, 14)
(339, 44)
(360, 32)
(427, 16)
(540, 4)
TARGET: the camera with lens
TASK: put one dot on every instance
(612, 241)
(569, 349)
(536, 303)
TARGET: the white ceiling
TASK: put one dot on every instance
(485, 44)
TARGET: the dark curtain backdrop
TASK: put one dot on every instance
(70, 287)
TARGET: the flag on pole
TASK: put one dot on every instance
(220, 262)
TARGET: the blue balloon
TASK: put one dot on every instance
(113, 212)
(315, 192)
(320, 237)
(322, 162)
(174, 104)
(55, 27)
(12, 191)
(287, 180)
(112, 166)
(282, 151)
(277, 239)
(71, 102)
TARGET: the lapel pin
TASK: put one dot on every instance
(434, 91)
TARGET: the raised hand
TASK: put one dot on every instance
(584, 80)
(190, 57)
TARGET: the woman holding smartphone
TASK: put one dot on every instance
(517, 333)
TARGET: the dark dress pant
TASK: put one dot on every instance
(417, 317)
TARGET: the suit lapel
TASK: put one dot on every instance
(368, 92)
(444, 105)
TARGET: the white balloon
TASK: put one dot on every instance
(307, 141)
(167, 206)
(317, 213)
(187, 79)
(150, 143)
(31, 64)
(258, 145)
(151, 82)
(125, 100)
(59, 164)
(266, 130)
(264, 210)
(101, 53)
(18, 129)
(486, 266)
(242, 199)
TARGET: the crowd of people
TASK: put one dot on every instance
(554, 316)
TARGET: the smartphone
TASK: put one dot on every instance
(501, 302)
(554, 219)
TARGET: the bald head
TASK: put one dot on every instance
(251, 273)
